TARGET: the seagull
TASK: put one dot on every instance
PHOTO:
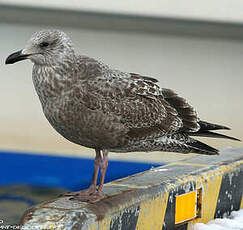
(105, 109)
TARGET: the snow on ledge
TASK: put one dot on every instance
(233, 222)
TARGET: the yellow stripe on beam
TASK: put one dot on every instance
(152, 213)
(210, 185)
(241, 205)
(105, 223)
(188, 163)
(93, 227)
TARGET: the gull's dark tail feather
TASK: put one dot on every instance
(212, 134)
(205, 126)
(205, 131)
(201, 148)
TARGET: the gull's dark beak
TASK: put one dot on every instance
(15, 57)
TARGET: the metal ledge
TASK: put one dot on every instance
(119, 22)
(147, 200)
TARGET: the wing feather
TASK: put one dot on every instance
(137, 100)
(142, 106)
(186, 112)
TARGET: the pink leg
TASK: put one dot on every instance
(91, 194)
(96, 196)
(92, 187)
(102, 173)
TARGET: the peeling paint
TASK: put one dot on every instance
(146, 200)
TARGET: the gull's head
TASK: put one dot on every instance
(45, 47)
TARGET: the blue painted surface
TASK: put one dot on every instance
(16, 199)
(56, 171)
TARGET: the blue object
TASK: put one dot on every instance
(71, 173)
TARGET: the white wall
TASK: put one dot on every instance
(209, 73)
(207, 10)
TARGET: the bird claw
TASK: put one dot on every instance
(87, 192)
(91, 198)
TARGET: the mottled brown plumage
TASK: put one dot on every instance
(98, 107)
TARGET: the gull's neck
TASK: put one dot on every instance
(51, 81)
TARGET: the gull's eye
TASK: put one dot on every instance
(44, 44)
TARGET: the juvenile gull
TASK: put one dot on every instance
(95, 106)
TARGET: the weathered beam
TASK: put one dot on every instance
(148, 200)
